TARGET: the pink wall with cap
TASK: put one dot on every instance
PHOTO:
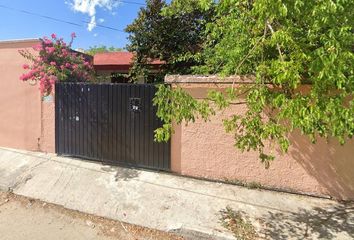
(203, 149)
(26, 122)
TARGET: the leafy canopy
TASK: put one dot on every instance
(300, 54)
(174, 39)
(101, 49)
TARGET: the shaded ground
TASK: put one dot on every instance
(333, 222)
(22, 218)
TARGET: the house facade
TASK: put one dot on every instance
(114, 67)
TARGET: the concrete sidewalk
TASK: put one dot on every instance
(170, 203)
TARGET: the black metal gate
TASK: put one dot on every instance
(110, 123)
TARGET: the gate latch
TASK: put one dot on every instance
(135, 104)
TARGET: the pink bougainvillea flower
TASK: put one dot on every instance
(55, 61)
(48, 42)
(37, 47)
(73, 35)
(50, 50)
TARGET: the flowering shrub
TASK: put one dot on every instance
(55, 61)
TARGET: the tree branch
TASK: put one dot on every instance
(278, 46)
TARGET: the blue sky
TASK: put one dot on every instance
(17, 25)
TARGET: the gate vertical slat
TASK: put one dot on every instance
(72, 125)
(77, 120)
(72, 144)
(124, 116)
(62, 117)
(91, 120)
(132, 124)
(142, 129)
(136, 118)
(81, 120)
(104, 118)
(150, 143)
(150, 126)
(88, 126)
(106, 130)
(94, 129)
(99, 122)
(66, 119)
(75, 123)
(110, 123)
(155, 154)
(118, 130)
(128, 124)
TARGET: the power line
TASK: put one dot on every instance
(135, 3)
(62, 20)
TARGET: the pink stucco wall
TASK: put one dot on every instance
(47, 143)
(203, 149)
(25, 121)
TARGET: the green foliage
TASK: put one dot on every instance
(177, 106)
(174, 39)
(100, 49)
(301, 55)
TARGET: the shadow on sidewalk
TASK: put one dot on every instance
(325, 223)
(122, 173)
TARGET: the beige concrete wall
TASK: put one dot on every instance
(203, 149)
(21, 108)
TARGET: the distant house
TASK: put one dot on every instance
(115, 66)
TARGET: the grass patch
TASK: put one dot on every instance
(250, 185)
(238, 224)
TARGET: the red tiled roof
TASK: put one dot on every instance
(117, 58)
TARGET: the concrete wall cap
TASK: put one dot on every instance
(208, 79)
(18, 42)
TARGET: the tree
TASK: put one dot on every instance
(174, 39)
(284, 44)
(54, 62)
(100, 49)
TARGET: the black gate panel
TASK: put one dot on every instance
(110, 123)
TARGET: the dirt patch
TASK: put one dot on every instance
(25, 218)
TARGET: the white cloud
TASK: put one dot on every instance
(92, 24)
(95, 34)
(100, 20)
(89, 7)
